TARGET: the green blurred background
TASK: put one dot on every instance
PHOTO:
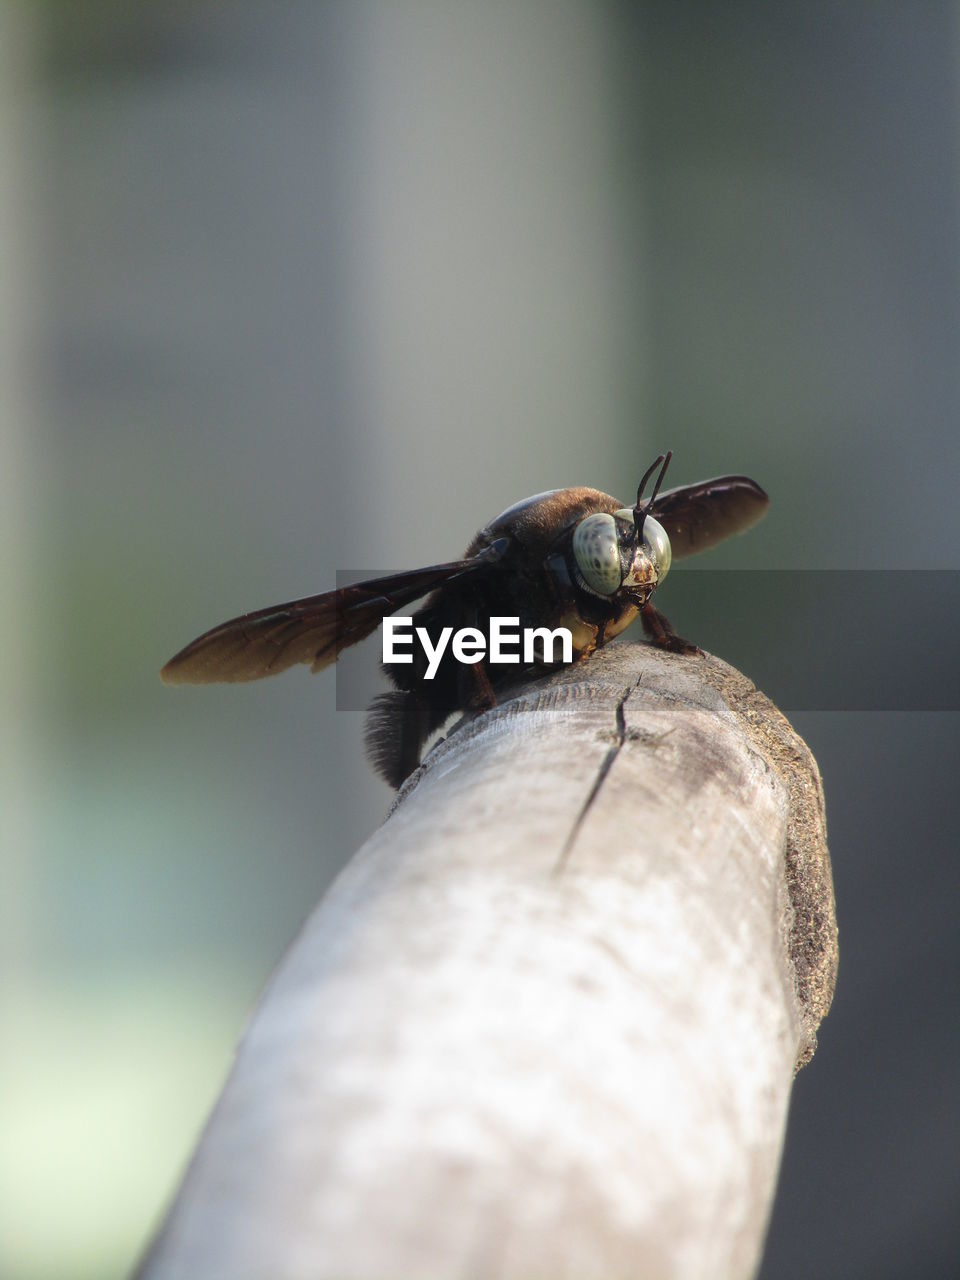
(300, 287)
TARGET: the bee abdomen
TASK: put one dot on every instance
(396, 726)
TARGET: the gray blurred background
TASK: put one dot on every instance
(300, 287)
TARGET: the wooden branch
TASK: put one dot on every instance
(546, 1021)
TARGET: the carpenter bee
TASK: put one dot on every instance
(570, 558)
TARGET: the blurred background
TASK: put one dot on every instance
(296, 288)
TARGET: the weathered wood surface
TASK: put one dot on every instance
(546, 1021)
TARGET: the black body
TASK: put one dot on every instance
(523, 564)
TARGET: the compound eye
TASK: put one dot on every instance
(597, 553)
(657, 546)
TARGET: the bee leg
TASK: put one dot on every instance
(474, 689)
(484, 698)
(662, 634)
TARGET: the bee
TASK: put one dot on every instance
(571, 558)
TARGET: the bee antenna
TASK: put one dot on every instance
(640, 513)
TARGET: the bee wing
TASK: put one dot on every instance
(698, 516)
(312, 630)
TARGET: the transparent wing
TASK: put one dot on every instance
(313, 630)
(698, 516)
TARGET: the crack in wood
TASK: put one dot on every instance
(605, 766)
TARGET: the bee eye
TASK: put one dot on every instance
(657, 546)
(597, 553)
